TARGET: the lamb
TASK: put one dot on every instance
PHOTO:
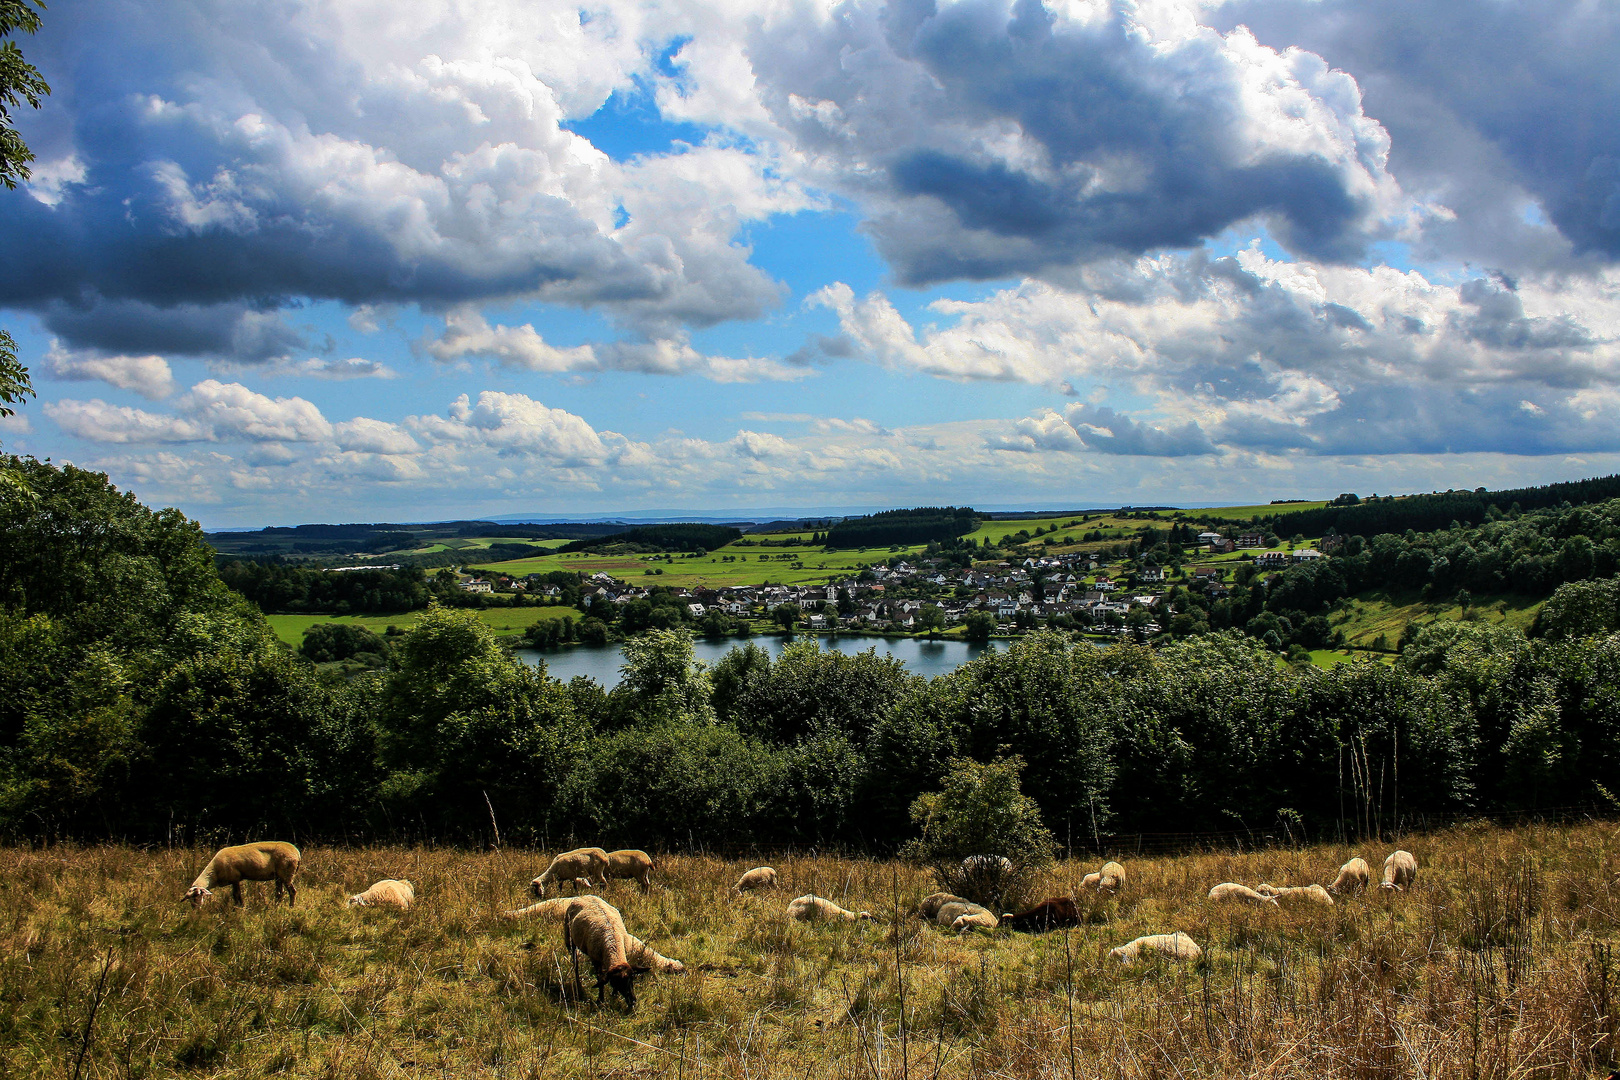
(1289, 894)
(974, 920)
(631, 863)
(1110, 879)
(264, 861)
(589, 863)
(592, 925)
(642, 955)
(929, 908)
(1049, 914)
(389, 892)
(1229, 890)
(1400, 870)
(812, 908)
(760, 877)
(1176, 946)
(1353, 877)
(545, 909)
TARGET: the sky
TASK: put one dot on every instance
(345, 260)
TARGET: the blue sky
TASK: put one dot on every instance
(371, 261)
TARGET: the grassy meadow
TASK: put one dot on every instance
(1497, 963)
(504, 621)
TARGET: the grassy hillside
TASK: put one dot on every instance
(1498, 962)
(504, 621)
(1387, 613)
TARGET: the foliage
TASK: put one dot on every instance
(921, 525)
(672, 537)
(278, 588)
(20, 83)
(982, 835)
(327, 642)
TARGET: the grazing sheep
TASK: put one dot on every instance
(642, 955)
(270, 859)
(631, 863)
(1230, 890)
(1291, 894)
(760, 877)
(811, 908)
(588, 863)
(594, 926)
(1353, 877)
(545, 909)
(929, 908)
(1176, 946)
(389, 892)
(974, 920)
(1400, 870)
(1110, 879)
(1049, 914)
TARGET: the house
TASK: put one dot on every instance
(1209, 539)
(695, 610)
(1331, 543)
(1307, 555)
(1271, 560)
(477, 585)
(1251, 540)
(1151, 573)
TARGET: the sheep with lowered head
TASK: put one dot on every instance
(554, 908)
(1231, 891)
(268, 860)
(812, 908)
(1400, 870)
(1294, 894)
(642, 955)
(1107, 881)
(593, 926)
(631, 863)
(1175, 946)
(1354, 877)
(760, 877)
(389, 892)
(589, 863)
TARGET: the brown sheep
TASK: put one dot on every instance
(587, 863)
(760, 877)
(1049, 914)
(631, 863)
(593, 926)
(388, 892)
(1354, 877)
(265, 861)
(1400, 870)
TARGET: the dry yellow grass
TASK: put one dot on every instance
(1497, 963)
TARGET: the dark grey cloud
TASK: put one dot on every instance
(1109, 432)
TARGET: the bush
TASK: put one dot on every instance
(982, 835)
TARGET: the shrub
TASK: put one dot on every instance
(981, 818)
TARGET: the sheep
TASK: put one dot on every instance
(389, 892)
(631, 863)
(986, 864)
(974, 920)
(1176, 946)
(1353, 877)
(1400, 870)
(545, 909)
(264, 861)
(1289, 894)
(929, 908)
(592, 925)
(1110, 879)
(1229, 890)
(949, 913)
(589, 863)
(760, 877)
(642, 955)
(1049, 914)
(810, 908)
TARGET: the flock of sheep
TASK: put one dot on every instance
(592, 926)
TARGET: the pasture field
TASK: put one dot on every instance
(1497, 963)
(1386, 613)
(503, 620)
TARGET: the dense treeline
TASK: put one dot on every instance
(919, 525)
(682, 536)
(139, 695)
(282, 588)
(1425, 513)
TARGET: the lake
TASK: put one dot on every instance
(601, 662)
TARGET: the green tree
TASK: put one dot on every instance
(785, 616)
(980, 818)
(931, 617)
(663, 682)
(980, 625)
(20, 83)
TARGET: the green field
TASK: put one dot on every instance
(504, 621)
(1369, 615)
(1249, 513)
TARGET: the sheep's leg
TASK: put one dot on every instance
(236, 891)
(292, 893)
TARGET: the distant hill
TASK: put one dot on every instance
(684, 536)
(1426, 513)
(919, 525)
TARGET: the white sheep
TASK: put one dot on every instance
(974, 920)
(631, 863)
(1231, 891)
(1110, 879)
(760, 877)
(986, 864)
(948, 913)
(1290, 894)
(587, 863)
(1400, 870)
(642, 955)
(554, 908)
(264, 861)
(1176, 946)
(389, 892)
(1353, 877)
(593, 926)
(928, 910)
(812, 908)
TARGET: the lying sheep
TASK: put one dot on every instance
(974, 920)
(1353, 877)
(588, 863)
(1049, 914)
(811, 908)
(593, 926)
(986, 864)
(1400, 870)
(264, 861)
(389, 892)
(631, 863)
(1176, 946)
(642, 955)
(1290, 894)
(1230, 890)
(546, 909)
(760, 877)
(949, 913)
(1109, 880)
(929, 908)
